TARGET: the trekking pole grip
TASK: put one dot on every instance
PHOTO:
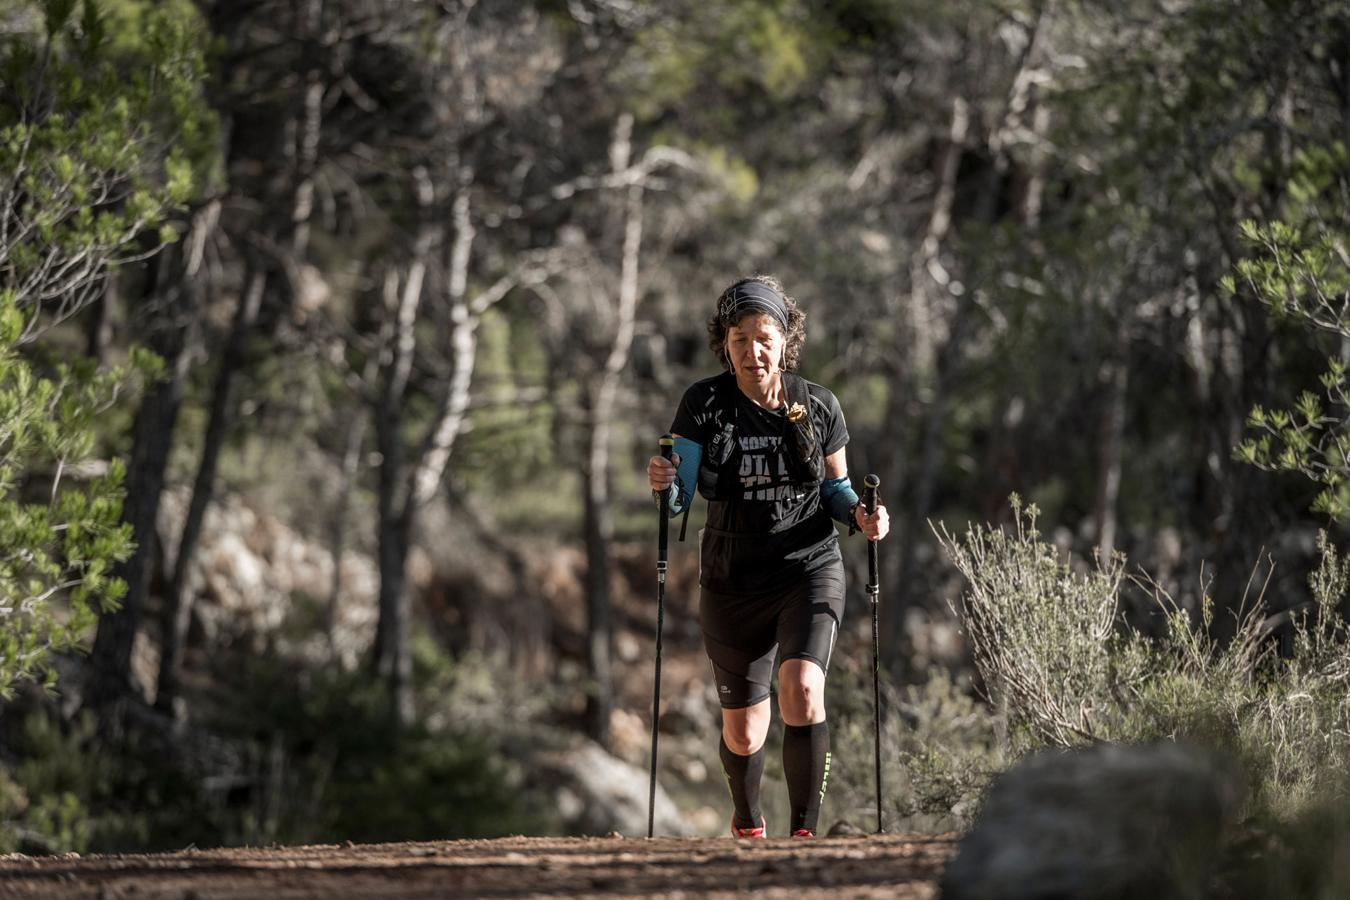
(869, 496)
(666, 443)
(869, 503)
(666, 446)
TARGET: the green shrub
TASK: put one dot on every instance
(336, 769)
(81, 793)
(13, 805)
(280, 752)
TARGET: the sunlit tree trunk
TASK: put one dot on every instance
(408, 484)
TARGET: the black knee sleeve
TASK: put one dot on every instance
(743, 777)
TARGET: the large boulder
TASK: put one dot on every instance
(1109, 822)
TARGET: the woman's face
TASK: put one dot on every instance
(755, 347)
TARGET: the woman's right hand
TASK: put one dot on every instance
(661, 471)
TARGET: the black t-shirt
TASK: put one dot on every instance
(769, 531)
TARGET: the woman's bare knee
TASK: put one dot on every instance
(745, 730)
(801, 692)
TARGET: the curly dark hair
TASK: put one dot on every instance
(795, 338)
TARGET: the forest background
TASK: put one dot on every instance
(336, 334)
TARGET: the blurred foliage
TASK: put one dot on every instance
(85, 793)
(283, 755)
(343, 778)
(766, 46)
(1303, 856)
(104, 131)
(1300, 270)
(59, 537)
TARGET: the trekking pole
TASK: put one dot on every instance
(667, 444)
(869, 502)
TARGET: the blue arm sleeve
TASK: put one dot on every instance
(686, 476)
(839, 498)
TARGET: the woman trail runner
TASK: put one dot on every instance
(766, 447)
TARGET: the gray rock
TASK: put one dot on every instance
(1109, 821)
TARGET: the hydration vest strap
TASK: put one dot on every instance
(804, 453)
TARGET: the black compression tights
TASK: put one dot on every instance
(806, 764)
(743, 776)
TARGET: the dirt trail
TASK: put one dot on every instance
(898, 866)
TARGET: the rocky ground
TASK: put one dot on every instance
(905, 867)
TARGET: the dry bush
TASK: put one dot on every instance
(1056, 655)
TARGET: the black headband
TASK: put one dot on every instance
(753, 296)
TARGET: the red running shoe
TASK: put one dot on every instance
(803, 833)
(759, 831)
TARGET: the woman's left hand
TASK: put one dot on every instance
(876, 526)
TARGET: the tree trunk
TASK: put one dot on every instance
(152, 439)
(1110, 443)
(465, 314)
(178, 602)
(917, 364)
(950, 357)
(1033, 185)
(599, 532)
(599, 515)
(337, 528)
(391, 660)
(100, 331)
(302, 148)
(1342, 88)
(402, 495)
(925, 473)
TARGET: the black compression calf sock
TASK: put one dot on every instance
(743, 776)
(806, 764)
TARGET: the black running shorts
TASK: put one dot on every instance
(746, 636)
